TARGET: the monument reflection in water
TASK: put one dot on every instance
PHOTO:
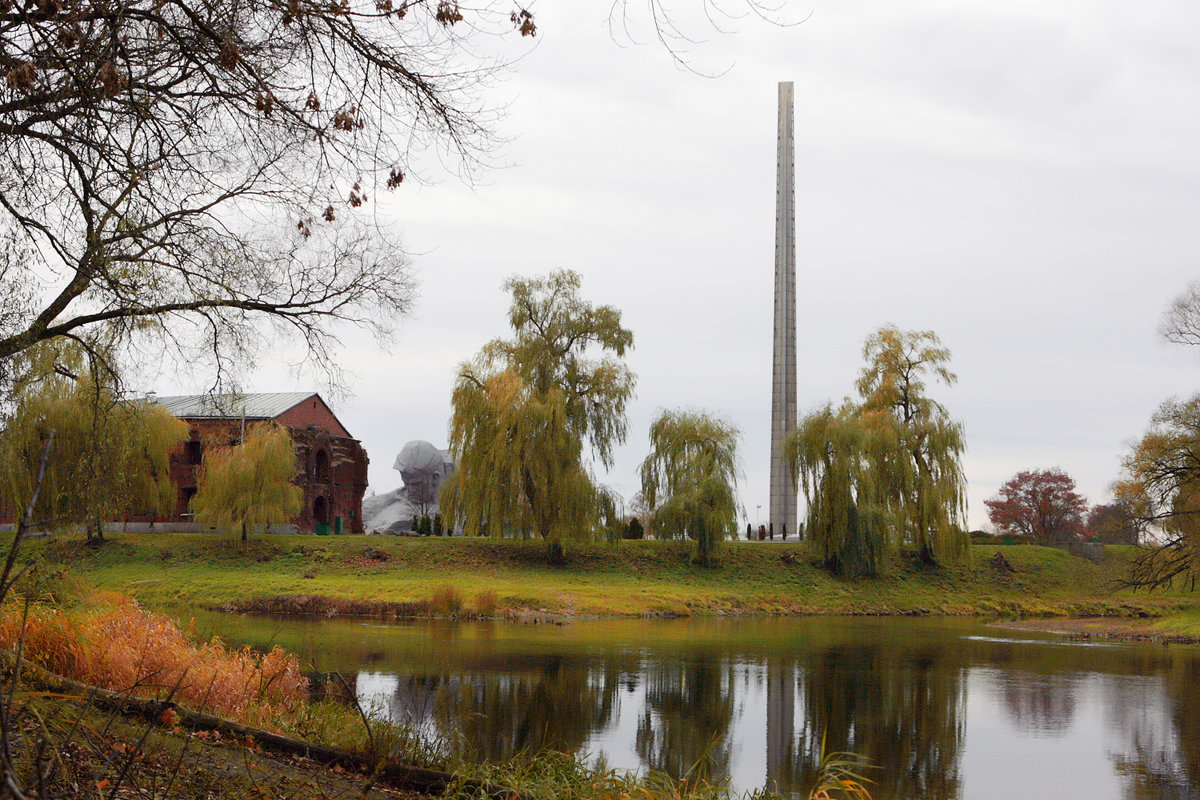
(944, 709)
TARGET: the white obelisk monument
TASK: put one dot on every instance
(783, 378)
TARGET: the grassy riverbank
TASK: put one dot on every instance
(412, 577)
(101, 638)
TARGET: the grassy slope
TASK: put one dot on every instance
(630, 579)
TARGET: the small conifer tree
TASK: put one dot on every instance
(634, 529)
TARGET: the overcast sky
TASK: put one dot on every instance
(1021, 177)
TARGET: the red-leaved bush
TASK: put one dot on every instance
(122, 647)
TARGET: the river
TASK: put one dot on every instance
(951, 709)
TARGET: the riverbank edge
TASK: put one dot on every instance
(409, 578)
(1078, 610)
(1162, 630)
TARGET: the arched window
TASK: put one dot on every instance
(321, 467)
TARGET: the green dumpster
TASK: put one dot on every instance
(338, 527)
(322, 529)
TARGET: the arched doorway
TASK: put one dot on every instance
(321, 511)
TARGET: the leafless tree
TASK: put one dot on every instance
(1181, 322)
(422, 494)
(176, 172)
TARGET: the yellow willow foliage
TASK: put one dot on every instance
(110, 457)
(1161, 484)
(886, 472)
(690, 478)
(921, 472)
(528, 410)
(248, 485)
(833, 455)
(519, 462)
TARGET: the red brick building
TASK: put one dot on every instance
(332, 464)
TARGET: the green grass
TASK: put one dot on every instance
(633, 578)
(1183, 622)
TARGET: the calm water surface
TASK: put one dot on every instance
(946, 709)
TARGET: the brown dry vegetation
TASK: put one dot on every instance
(117, 645)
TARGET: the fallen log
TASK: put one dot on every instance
(389, 770)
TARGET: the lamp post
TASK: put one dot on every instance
(757, 515)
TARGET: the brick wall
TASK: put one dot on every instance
(312, 412)
(331, 467)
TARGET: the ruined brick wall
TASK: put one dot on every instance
(331, 468)
(333, 472)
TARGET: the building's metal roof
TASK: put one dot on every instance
(265, 405)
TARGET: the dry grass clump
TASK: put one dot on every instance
(51, 639)
(486, 603)
(445, 601)
(120, 646)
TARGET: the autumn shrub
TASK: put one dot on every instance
(51, 640)
(445, 601)
(486, 603)
(121, 647)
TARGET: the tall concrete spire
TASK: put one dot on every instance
(783, 379)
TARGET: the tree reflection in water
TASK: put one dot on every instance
(752, 700)
(1161, 757)
(684, 727)
(902, 708)
(552, 704)
(1041, 704)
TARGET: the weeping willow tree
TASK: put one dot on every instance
(249, 484)
(528, 412)
(611, 517)
(832, 453)
(109, 459)
(922, 475)
(690, 479)
(886, 472)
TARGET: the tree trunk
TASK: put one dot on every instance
(243, 533)
(95, 532)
